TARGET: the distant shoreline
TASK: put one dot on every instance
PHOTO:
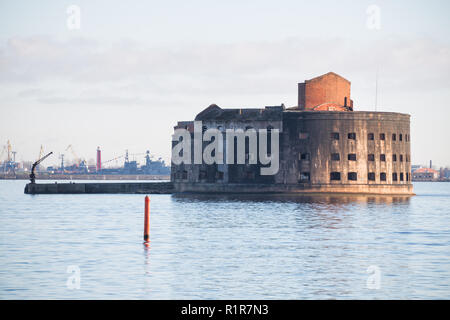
(138, 177)
(44, 176)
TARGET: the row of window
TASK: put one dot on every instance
(183, 175)
(220, 128)
(336, 135)
(352, 157)
(353, 176)
(305, 176)
(370, 136)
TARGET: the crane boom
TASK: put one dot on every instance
(77, 160)
(41, 152)
(32, 175)
(3, 151)
(9, 150)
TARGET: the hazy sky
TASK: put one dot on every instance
(135, 68)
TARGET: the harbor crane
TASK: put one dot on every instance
(3, 151)
(61, 156)
(32, 175)
(8, 149)
(80, 163)
(9, 165)
(126, 156)
(41, 152)
(75, 157)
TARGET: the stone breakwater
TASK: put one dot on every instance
(105, 187)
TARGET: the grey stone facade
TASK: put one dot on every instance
(320, 151)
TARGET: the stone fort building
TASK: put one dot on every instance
(324, 147)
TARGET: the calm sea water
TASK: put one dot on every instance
(225, 247)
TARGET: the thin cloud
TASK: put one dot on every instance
(85, 61)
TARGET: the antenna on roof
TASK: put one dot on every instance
(376, 90)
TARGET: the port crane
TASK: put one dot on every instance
(1, 155)
(3, 151)
(41, 152)
(10, 163)
(126, 156)
(32, 175)
(80, 163)
(8, 149)
(61, 156)
(113, 159)
(75, 157)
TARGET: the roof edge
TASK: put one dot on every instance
(326, 74)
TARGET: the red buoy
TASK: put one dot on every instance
(147, 219)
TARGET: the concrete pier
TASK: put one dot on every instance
(105, 187)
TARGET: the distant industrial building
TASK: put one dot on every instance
(425, 174)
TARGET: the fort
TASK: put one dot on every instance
(323, 146)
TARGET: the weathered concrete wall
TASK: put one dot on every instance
(77, 188)
(321, 128)
(222, 119)
(239, 188)
(308, 142)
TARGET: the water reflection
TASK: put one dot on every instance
(294, 198)
(304, 212)
(147, 267)
(322, 244)
(146, 252)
